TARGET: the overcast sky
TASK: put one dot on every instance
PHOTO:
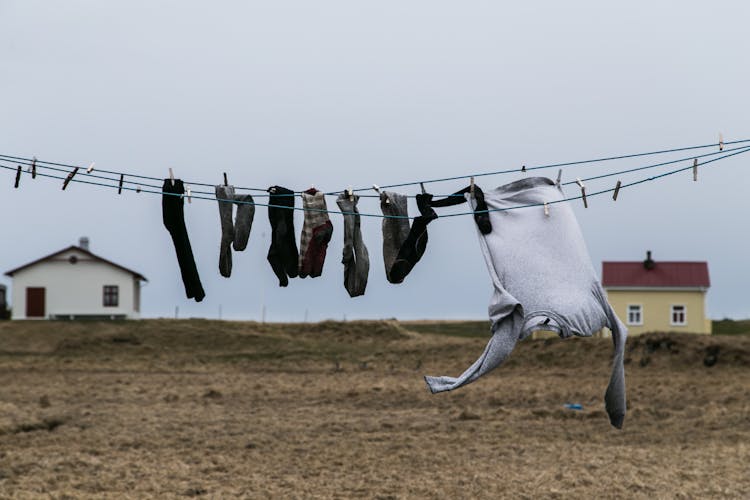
(334, 93)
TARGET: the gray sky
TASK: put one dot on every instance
(334, 93)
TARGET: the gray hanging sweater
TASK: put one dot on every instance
(543, 280)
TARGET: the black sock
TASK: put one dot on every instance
(416, 243)
(172, 207)
(282, 255)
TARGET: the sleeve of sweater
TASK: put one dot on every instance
(614, 398)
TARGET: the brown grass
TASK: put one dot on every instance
(339, 410)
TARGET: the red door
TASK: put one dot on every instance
(35, 302)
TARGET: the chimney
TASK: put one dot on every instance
(83, 242)
(649, 262)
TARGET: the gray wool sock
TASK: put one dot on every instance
(243, 221)
(227, 228)
(356, 258)
(396, 230)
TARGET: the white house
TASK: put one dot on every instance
(75, 283)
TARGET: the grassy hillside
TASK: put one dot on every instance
(731, 327)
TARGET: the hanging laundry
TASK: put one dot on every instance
(543, 280)
(395, 228)
(316, 234)
(172, 207)
(356, 258)
(413, 248)
(233, 234)
(282, 254)
(415, 244)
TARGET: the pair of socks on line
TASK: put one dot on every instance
(286, 261)
(233, 234)
(173, 216)
(403, 246)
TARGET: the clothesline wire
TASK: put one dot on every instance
(557, 165)
(140, 186)
(736, 151)
(426, 181)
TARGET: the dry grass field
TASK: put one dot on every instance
(165, 408)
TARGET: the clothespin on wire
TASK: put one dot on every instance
(18, 176)
(189, 194)
(33, 168)
(546, 209)
(721, 142)
(91, 167)
(617, 190)
(523, 169)
(350, 193)
(559, 178)
(171, 175)
(226, 182)
(695, 169)
(377, 190)
(421, 186)
(119, 187)
(471, 187)
(138, 189)
(69, 178)
(583, 192)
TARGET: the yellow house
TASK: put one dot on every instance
(652, 296)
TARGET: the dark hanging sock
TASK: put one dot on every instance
(18, 176)
(414, 246)
(172, 205)
(282, 254)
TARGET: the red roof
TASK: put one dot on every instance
(663, 274)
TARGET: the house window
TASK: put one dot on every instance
(111, 295)
(635, 314)
(679, 315)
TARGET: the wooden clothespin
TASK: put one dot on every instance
(171, 175)
(33, 168)
(91, 167)
(617, 190)
(119, 188)
(69, 178)
(18, 176)
(695, 169)
(721, 142)
(559, 178)
(546, 209)
(189, 194)
(583, 192)
(226, 182)
(350, 193)
(471, 187)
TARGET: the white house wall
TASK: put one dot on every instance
(74, 288)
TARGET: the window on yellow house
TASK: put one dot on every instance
(635, 314)
(679, 315)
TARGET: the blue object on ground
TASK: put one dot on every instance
(573, 406)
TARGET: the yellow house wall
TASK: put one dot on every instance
(656, 310)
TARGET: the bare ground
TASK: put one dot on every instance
(339, 410)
